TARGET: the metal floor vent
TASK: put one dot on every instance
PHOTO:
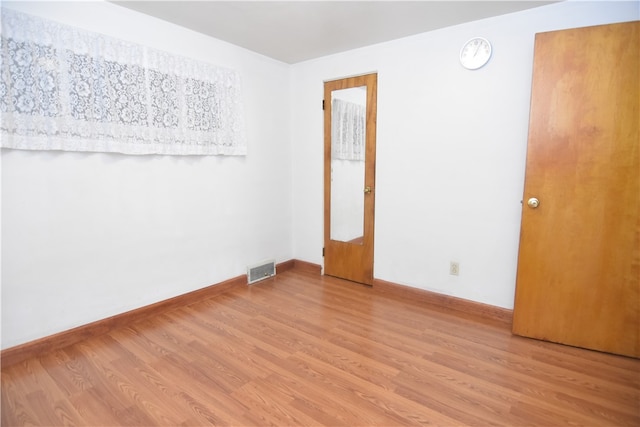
(261, 271)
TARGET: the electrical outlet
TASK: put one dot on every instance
(454, 268)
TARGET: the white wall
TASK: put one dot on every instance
(450, 151)
(87, 236)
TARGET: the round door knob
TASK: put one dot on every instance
(533, 203)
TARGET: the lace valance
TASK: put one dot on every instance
(348, 126)
(62, 88)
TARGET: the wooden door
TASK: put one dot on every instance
(349, 177)
(579, 260)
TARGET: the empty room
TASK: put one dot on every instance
(327, 213)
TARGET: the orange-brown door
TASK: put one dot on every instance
(349, 177)
(579, 261)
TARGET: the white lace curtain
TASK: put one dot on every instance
(347, 130)
(62, 88)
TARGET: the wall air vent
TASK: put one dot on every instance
(261, 271)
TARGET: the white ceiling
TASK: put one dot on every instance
(295, 31)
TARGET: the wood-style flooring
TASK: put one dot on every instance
(302, 349)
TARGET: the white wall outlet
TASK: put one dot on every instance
(454, 268)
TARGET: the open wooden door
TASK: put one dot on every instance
(349, 177)
(579, 261)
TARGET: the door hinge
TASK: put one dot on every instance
(322, 251)
(323, 105)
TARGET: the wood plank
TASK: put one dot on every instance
(63, 339)
(473, 308)
(305, 349)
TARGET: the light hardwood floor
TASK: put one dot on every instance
(302, 349)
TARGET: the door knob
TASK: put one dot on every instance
(533, 203)
(367, 190)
